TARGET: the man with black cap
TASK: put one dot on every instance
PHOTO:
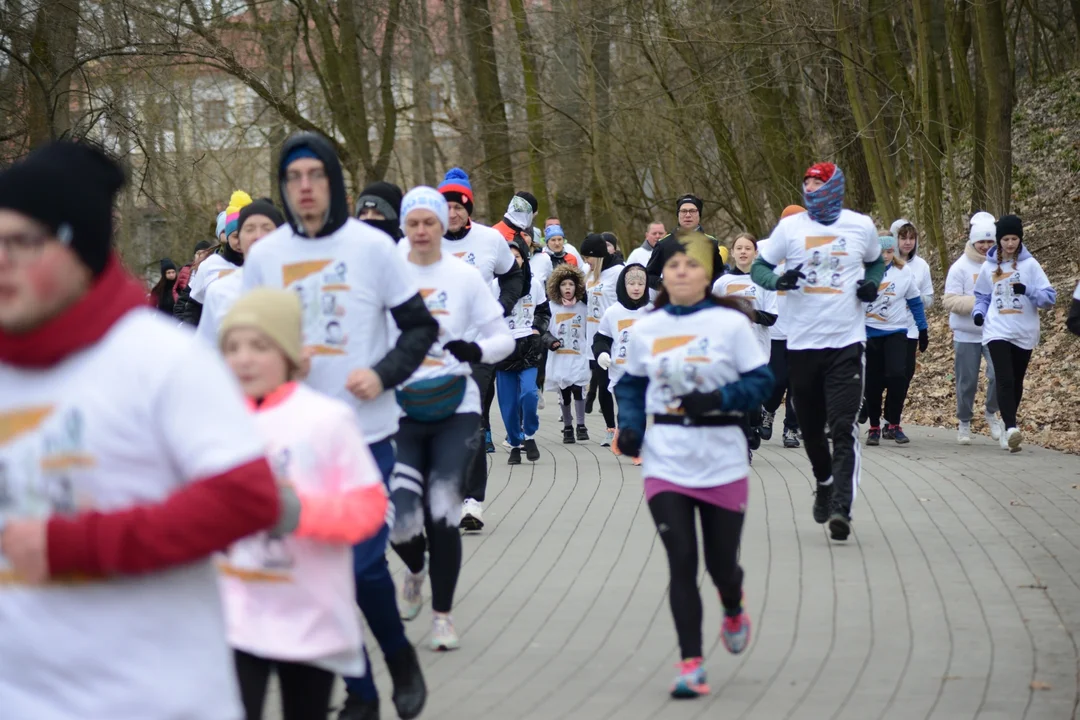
(689, 212)
(352, 282)
(379, 205)
(112, 501)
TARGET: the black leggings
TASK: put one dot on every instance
(305, 689)
(778, 363)
(599, 387)
(1010, 367)
(426, 489)
(568, 395)
(886, 370)
(721, 530)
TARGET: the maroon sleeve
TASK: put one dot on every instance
(198, 519)
(182, 279)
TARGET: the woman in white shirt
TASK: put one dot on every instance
(440, 403)
(907, 246)
(601, 281)
(695, 366)
(1009, 293)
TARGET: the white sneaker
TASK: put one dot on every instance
(411, 594)
(472, 515)
(1012, 439)
(443, 635)
(996, 426)
(1003, 440)
(506, 444)
(540, 401)
(963, 435)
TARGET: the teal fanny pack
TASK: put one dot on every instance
(432, 400)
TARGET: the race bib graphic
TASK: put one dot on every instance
(879, 309)
(570, 332)
(824, 265)
(680, 360)
(1007, 301)
(322, 287)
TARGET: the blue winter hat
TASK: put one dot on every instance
(456, 187)
(553, 231)
(301, 152)
(222, 218)
(888, 242)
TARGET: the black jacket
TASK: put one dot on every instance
(602, 343)
(665, 248)
(529, 350)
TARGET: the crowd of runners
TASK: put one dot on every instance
(185, 512)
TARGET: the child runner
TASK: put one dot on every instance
(887, 318)
(695, 366)
(612, 338)
(289, 593)
(440, 405)
(128, 459)
(226, 259)
(968, 349)
(1009, 293)
(515, 377)
(568, 359)
(600, 283)
(907, 249)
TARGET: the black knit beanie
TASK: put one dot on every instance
(69, 187)
(692, 199)
(1010, 225)
(264, 207)
(594, 245)
(166, 265)
(382, 196)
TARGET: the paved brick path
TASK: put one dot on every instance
(958, 595)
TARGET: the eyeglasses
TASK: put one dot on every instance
(23, 247)
(691, 211)
(313, 176)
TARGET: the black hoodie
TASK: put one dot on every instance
(338, 213)
(529, 350)
(601, 342)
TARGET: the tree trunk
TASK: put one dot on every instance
(932, 157)
(424, 172)
(494, 132)
(599, 45)
(51, 59)
(533, 106)
(958, 24)
(569, 138)
(994, 51)
(978, 128)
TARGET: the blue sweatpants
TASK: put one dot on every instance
(375, 591)
(517, 402)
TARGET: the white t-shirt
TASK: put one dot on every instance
(617, 324)
(601, 294)
(762, 299)
(640, 256)
(778, 331)
(961, 281)
(482, 247)
(220, 297)
(211, 269)
(1011, 317)
(824, 311)
(679, 354)
(521, 319)
(925, 285)
(569, 365)
(346, 281)
(127, 421)
(456, 296)
(890, 311)
(540, 265)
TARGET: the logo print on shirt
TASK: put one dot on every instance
(467, 257)
(319, 300)
(435, 300)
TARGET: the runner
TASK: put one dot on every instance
(441, 412)
(485, 249)
(225, 260)
(1010, 291)
(653, 233)
(352, 283)
(289, 592)
(515, 377)
(568, 360)
(601, 287)
(695, 366)
(113, 498)
(379, 206)
(968, 349)
(689, 213)
(887, 319)
(560, 250)
(612, 338)
(255, 221)
(833, 266)
(907, 249)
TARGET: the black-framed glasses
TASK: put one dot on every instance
(23, 246)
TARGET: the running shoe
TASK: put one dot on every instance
(515, 457)
(888, 432)
(873, 436)
(410, 690)
(997, 427)
(582, 433)
(822, 503)
(1013, 437)
(735, 632)
(488, 445)
(443, 635)
(767, 419)
(898, 435)
(963, 433)
(472, 515)
(754, 441)
(637, 462)
(791, 439)
(690, 682)
(356, 708)
(411, 598)
(532, 453)
(568, 435)
(839, 526)
(506, 444)
(609, 437)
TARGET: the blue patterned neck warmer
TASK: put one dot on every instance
(824, 204)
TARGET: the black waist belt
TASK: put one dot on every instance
(705, 421)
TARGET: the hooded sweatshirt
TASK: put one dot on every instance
(959, 297)
(616, 327)
(352, 282)
(1008, 315)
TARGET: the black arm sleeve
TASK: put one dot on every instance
(765, 319)
(511, 287)
(192, 311)
(418, 331)
(542, 317)
(601, 344)
(655, 268)
(1073, 321)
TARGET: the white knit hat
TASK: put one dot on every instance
(982, 218)
(982, 231)
(423, 197)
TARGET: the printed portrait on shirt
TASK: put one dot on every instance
(834, 263)
(1016, 303)
(835, 280)
(335, 335)
(815, 258)
(811, 277)
(317, 284)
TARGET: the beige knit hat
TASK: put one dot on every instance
(273, 312)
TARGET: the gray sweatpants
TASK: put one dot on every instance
(966, 366)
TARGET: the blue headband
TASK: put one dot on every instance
(301, 152)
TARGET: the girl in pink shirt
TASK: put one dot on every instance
(289, 593)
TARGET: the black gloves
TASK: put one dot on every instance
(467, 352)
(629, 442)
(1019, 289)
(867, 290)
(699, 403)
(924, 340)
(978, 319)
(790, 279)
(765, 319)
